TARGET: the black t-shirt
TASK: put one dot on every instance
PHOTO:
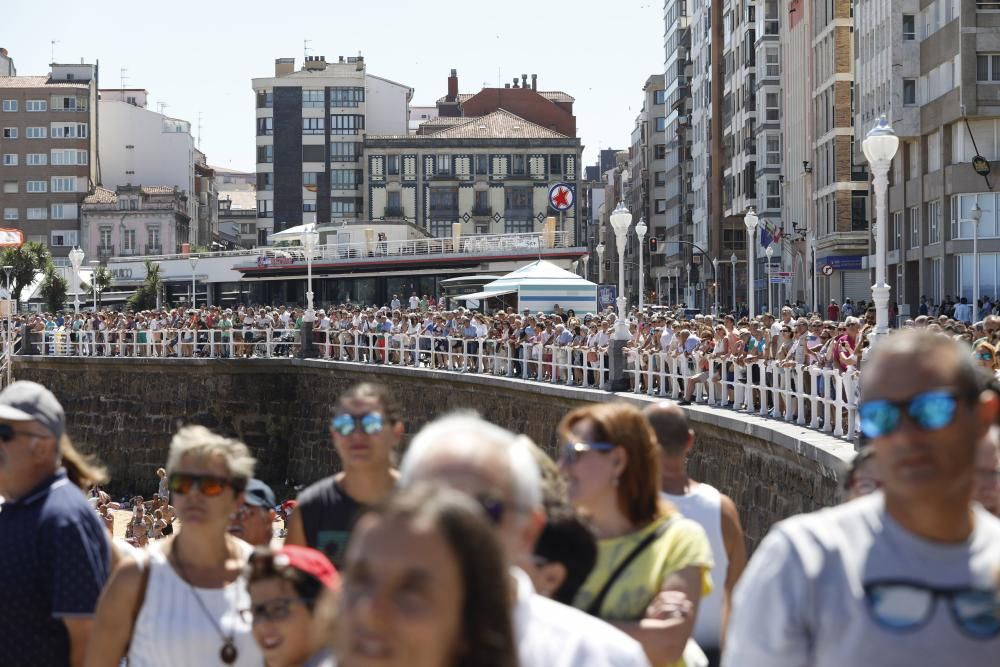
(328, 516)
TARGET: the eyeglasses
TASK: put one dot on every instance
(494, 507)
(209, 485)
(906, 606)
(984, 356)
(370, 423)
(929, 411)
(8, 433)
(272, 610)
(571, 451)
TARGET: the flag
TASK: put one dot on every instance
(765, 236)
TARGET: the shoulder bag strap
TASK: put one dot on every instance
(146, 565)
(595, 606)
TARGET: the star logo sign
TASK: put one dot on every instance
(560, 198)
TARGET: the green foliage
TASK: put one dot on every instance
(145, 296)
(53, 289)
(27, 261)
(102, 277)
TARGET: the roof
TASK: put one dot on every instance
(101, 196)
(439, 123)
(39, 82)
(243, 200)
(501, 124)
(157, 189)
(551, 95)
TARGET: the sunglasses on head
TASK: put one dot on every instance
(907, 606)
(370, 423)
(571, 451)
(209, 485)
(929, 411)
(8, 433)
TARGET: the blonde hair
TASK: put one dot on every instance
(203, 443)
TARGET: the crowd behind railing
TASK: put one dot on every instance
(797, 367)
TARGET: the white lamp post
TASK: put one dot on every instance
(715, 276)
(194, 262)
(770, 253)
(976, 214)
(640, 232)
(76, 259)
(751, 220)
(93, 281)
(600, 258)
(310, 238)
(880, 147)
(620, 221)
(733, 258)
(585, 258)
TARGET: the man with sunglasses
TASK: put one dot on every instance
(54, 551)
(254, 522)
(905, 575)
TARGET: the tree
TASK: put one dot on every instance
(27, 261)
(146, 296)
(53, 289)
(102, 278)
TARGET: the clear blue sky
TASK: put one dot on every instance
(200, 56)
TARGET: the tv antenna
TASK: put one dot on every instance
(52, 45)
(306, 48)
(124, 78)
(199, 129)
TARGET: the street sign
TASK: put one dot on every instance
(781, 280)
(561, 197)
(827, 270)
(606, 296)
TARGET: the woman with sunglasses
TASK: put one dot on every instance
(612, 461)
(193, 580)
(367, 426)
(985, 356)
(285, 587)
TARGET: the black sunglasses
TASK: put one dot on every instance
(273, 610)
(907, 606)
(8, 433)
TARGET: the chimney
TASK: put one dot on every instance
(314, 63)
(506, 85)
(534, 82)
(524, 81)
(516, 82)
(284, 66)
(453, 86)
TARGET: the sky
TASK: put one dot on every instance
(200, 56)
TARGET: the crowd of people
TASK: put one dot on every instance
(480, 549)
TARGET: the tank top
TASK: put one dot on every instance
(703, 505)
(173, 629)
(328, 516)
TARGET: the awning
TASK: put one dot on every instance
(484, 295)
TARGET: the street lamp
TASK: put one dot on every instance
(586, 261)
(715, 275)
(879, 148)
(310, 238)
(93, 281)
(620, 221)
(76, 259)
(194, 262)
(732, 259)
(600, 258)
(8, 269)
(770, 253)
(640, 232)
(976, 214)
(751, 220)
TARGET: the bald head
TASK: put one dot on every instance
(671, 427)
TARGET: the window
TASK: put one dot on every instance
(346, 124)
(443, 202)
(987, 67)
(37, 105)
(660, 152)
(934, 221)
(313, 126)
(393, 202)
(64, 184)
(313, 153)
(859, 210)
(519, 226)
(482, 165)
(909, 92)
(660, 178)
(914, 215)
(909, 27)
(10, 214)
(733, 240)
(772, 63)
(661, 123)
(772, 112)
(481, 202)
(265, 181)
(309, 206)
(40, 213)
(68, 237)
(128, 241)
(661, 206)
(265, 154)
(64, 212)
(10, 105)
(265, 127)
(265, 208)
(37, 186)
(896, 231)
(443, 164)
(10, 133)
(660, 97)
(35, 132)
(10, 187)
(555, 165)
(310, 180)
(265, 99)
(518, 201)
(345, 179)
(69, 156)
(771, 21)
(152, 239)
(773, 194)
(37, 159)
(773, 150)
(312, 99)
(346, 97)
(68, 131)
(342, 151)
(392, 165)
(343, 206)
(518, 165)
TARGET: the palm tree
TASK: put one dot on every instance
(27, 261)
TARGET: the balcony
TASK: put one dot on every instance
(129, 252)
(443, 214)
(393, 211)
(154, 249)
(482, 211)
(105, 251)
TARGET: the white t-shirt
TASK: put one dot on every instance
(414, 302)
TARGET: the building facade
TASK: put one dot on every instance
(47, 150)
(134, 220)
(310, 126)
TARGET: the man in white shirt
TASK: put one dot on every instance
(414, 301)
(486, 461)
(395, 304)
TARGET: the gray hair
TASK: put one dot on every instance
(467, 436)
(203, 443)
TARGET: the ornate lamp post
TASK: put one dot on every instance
(194, 262)
(751, 220)
(600, 258)
(310, 238)
(715, 274)
(880, 147)
(620, 221)
(640, 232)
(976, 214)
(732, 260)
(76, 259)
(770, 253)
(585, 258)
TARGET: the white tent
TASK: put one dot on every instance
(541, 286)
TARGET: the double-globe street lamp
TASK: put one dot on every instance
(600, 258)
(620, 221)
(93, 281)
(75, 260)
(880, 147)
(751, 220)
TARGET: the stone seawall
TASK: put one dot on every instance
(125, 411)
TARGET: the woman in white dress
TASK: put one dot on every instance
(192, 582)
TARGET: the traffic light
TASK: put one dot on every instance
(607, 265)
(652, 244)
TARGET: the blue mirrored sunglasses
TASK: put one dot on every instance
(571, 451)
(929, 411)
(370, 423)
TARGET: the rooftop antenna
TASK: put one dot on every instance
(305, 47)
(124, 78)
(162, 107)
(199, 129)
(53, 49)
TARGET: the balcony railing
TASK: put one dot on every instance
(154, 249)
(105, 251)
(482, 211)
(394, 211)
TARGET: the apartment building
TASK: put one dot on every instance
(310, 126)
(491, 174)
(676, 138)
(933, 68)
(135, 220)
(47, 144)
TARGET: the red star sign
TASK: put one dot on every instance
(560, 198)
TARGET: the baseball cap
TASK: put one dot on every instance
(259, 494)
(29, 401)
(308, 560)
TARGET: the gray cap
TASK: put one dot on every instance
(30, 401)
(259, 494)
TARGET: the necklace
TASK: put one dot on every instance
(228, 652)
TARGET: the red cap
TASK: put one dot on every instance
(310, 561)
